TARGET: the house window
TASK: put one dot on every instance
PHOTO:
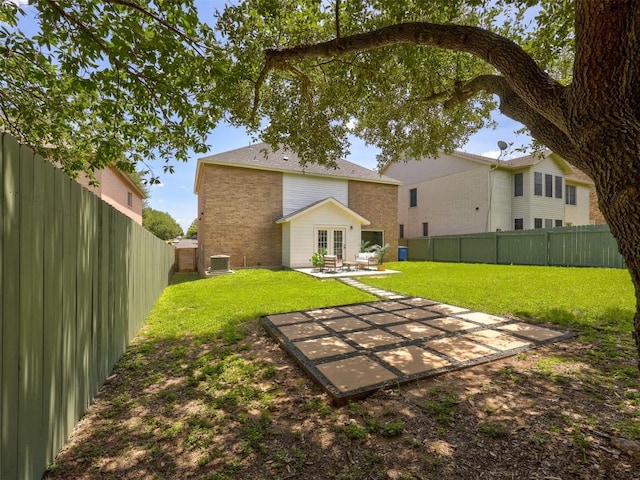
(559, 187)
(548, 185)
(537, 184)
(570, 197)
(372, 237)
(548, 223)
(518, 224)
(425, 229)
(558, 223)
(537, 223)
(401, 231)
(129, 199)
(518, 180)
(413, 197)
(323, 243)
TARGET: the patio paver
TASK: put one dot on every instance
(354, 350)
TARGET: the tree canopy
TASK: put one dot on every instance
(161, 224)
(95, 82)
(193, 229)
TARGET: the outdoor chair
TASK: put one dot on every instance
(331, 263)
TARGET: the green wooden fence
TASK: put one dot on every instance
(585, 246)
(77, 279)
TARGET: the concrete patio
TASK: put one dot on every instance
(314, 272)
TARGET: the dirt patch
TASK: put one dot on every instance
(206, 409)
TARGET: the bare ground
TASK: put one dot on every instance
(242, 409)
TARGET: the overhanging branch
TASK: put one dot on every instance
(535, 87)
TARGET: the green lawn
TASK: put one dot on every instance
(203, 307)
(586, 299)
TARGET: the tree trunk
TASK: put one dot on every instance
(616, 174)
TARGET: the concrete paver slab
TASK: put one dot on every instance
(415, 331)
(483, 318)
(359, 309)
(498, 340)
(303, 330)
(419, 302)
(326, 313)
(390, 306)
(347, 324)
(287, 318)
(417, 313)
(353, 350)
(531, 331)
(373, 338)
(460, 349)
(323, 347)
(384, 318)
(451, 324)
(355, 373)
(447, 309)
(412, 360)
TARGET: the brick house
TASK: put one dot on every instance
(118, 190)
(461, 193)
(269, 210)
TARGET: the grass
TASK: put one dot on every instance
(196, 395)
(215, 306)
(581, 298)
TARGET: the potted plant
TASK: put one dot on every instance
(381, 253)
(317, 259)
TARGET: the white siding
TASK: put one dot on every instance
(286, 245)
(521, 206)
(302, 236)
(299, 191)
(541, 206)
(501, 187)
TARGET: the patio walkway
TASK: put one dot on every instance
(354, 350)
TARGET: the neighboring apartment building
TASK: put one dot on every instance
(271, 211)
(118, 190)
(462, 193)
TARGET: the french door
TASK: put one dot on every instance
(332, 240)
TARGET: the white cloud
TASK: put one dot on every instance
(17, 2)
(351, 124)
(491, 154)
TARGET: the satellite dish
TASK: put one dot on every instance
(502, 145)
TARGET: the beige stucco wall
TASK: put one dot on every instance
(114, 190)
(453, 204)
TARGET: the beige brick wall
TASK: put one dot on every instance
(240, 207)
(378, 203)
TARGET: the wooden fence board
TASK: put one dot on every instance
(2, 257)
(10, 309)
(30, 353)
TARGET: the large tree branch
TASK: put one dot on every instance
(515, 108)
(535, 87)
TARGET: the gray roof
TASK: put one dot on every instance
(253, 156)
